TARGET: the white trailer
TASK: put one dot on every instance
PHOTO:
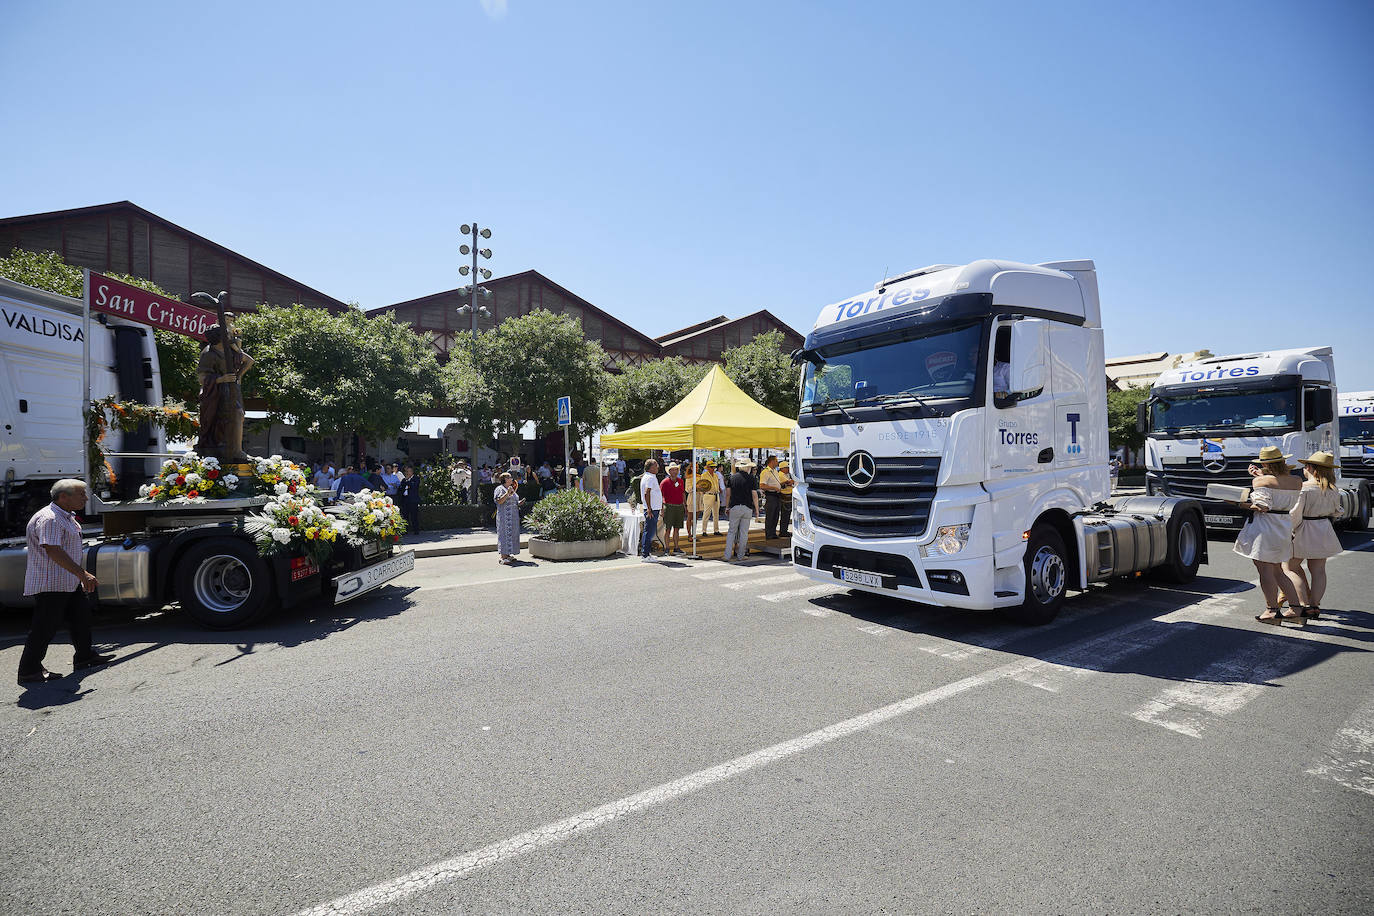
(952, 445)
(1205, 423)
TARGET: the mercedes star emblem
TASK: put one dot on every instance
(861, 470)
(1214, 462)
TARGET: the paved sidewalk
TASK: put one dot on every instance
(455, 541)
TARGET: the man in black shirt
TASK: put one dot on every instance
(744, 505)
(408, 496)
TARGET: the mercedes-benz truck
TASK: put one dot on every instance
(952, 445)
(1356, 432)
(1205, 423)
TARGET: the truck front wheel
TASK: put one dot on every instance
(1047, 577)
(223, 583)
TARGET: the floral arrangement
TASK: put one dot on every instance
(293, 521)
(367, 516)
(276, 476)
(110, 412)
(188, 479)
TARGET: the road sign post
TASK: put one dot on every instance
(565, 421)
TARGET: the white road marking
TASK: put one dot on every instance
(449, 870)
(1223, 687)
(731, 571)
(771, 580)
(808, 592)
(1350, 760)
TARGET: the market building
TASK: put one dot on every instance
(707, 341)
(124, 238)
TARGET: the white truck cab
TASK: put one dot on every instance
(1205, 422)
(1356, 433)
(41, 393)
(952, 444)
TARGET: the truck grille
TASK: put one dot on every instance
(896, 504)
(1191, 479)
(1355, 467)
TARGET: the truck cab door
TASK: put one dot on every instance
(1021, 442)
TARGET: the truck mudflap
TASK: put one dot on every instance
(351, 584)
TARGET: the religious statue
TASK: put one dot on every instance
(221, 369)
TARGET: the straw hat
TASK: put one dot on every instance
(744, 464)
(1321, 460)
(1272, 453)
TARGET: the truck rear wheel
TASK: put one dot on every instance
(1047, 577)
(223, 583)
(1185, 548)
(1361, 520)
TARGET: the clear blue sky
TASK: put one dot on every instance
(670, 162)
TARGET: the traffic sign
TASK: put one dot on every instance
(565, 411)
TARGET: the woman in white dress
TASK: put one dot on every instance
(1267, 538)
(1314, 537)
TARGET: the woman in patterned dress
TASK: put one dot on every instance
(507, 519)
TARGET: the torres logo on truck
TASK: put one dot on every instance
(1213, 374)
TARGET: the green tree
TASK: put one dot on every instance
(764, 371)
(641, 393)
(334, 374)
(177, 354)
(515, 373)
(1121, 408)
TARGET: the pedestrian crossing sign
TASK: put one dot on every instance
(565, 411)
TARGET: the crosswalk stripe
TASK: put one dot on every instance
(1350, 760)
(769, 580)
(1222, 688)
(799, 593)
(732, 571)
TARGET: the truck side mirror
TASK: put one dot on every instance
(1142, 416)
(1027, 367)
(1317, 407)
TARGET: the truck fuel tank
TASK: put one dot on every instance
(124, 572)
(1129, 534)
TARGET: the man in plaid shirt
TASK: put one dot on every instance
(56, 580)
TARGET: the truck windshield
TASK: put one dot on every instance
(913, 366)
(1357, 429)
(1251, 410)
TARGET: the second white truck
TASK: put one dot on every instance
(1207, 421)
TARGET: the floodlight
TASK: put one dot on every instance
(463, 249)
(486, 233)
(485, 252)
(466, 230)
(464, 309)
(464, 270)
(484, 291)
(486, 274)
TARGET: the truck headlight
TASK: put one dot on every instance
(949, 540)
(799, 524)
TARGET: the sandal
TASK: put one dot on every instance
(1272, 616)
(1312, 612)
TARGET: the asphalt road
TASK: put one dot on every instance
(618, 737)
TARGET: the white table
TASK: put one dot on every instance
(631, 528)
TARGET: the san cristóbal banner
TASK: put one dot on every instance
(105, 294)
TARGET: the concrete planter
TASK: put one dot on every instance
(573, 550)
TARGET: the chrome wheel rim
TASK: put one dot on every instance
(222, 584)
(1047, 575)
(1187, 543)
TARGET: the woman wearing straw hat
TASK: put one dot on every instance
(1314, 538)
(1267, 537)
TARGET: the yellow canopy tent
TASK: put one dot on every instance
(717, 415)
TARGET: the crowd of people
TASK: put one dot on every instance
(395, 480)
(674, 498)
(1290, 528)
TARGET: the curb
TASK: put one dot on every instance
(424, 551)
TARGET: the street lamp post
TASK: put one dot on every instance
(473, 309)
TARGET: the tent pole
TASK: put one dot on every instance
(695, 500)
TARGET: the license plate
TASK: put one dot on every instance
(351, 585)
(1228, 521)
(853, 576)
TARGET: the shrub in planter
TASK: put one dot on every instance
(572, 515)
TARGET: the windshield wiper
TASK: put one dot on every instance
(834, 404)
(896, 397)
